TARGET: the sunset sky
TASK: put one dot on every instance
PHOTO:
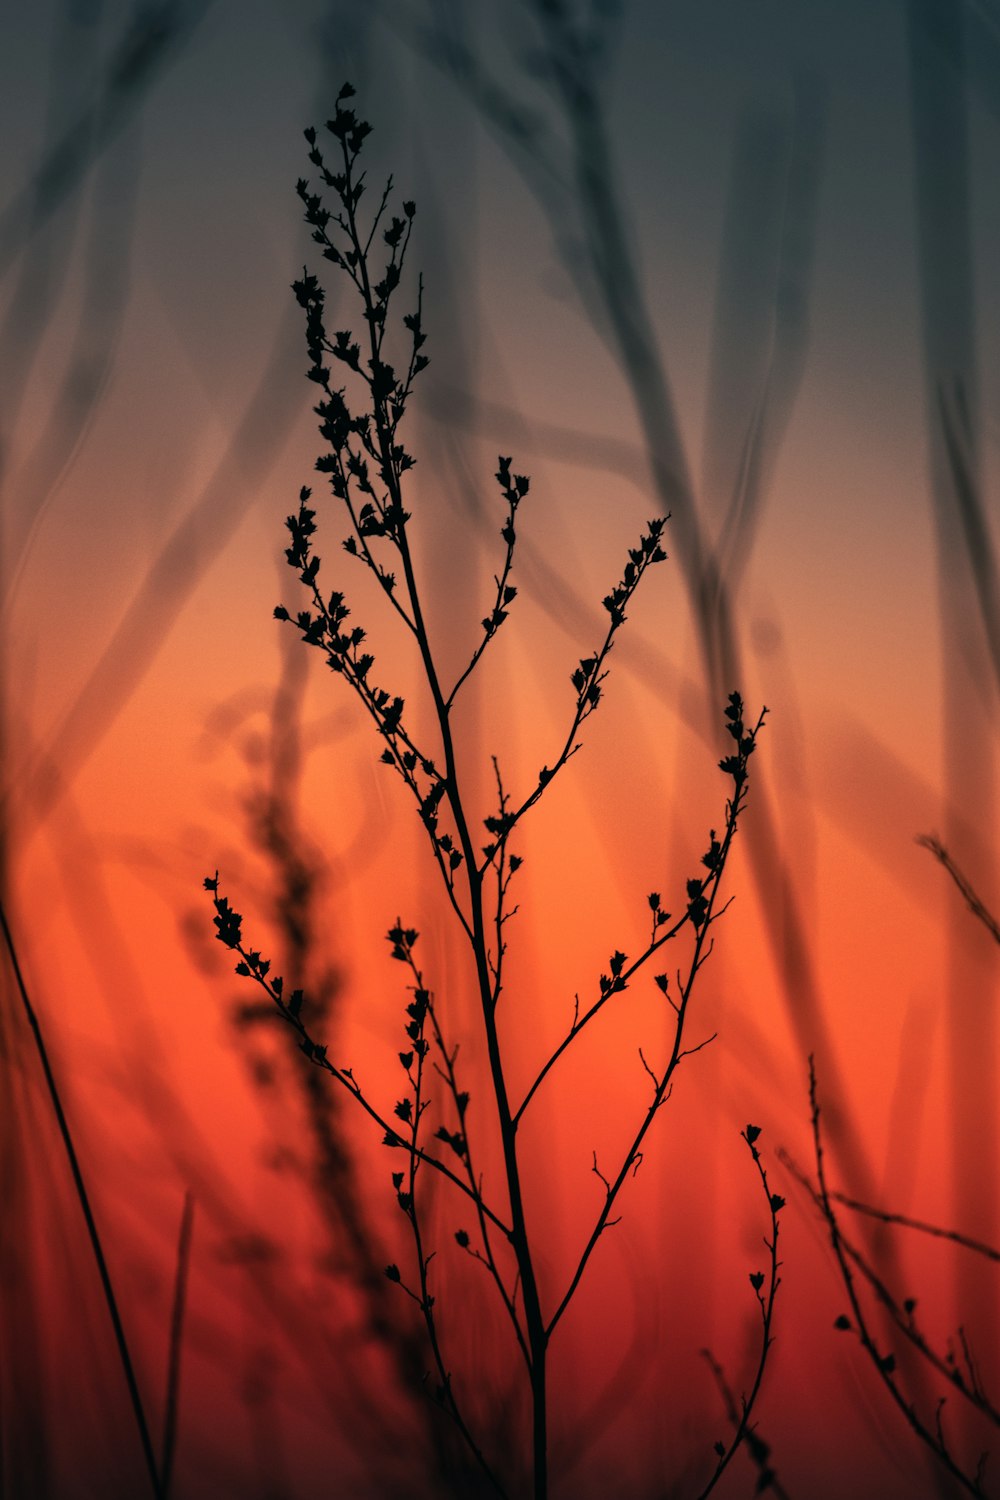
(797, 224)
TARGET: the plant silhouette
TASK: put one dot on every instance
(903, 1353)
(365, 460)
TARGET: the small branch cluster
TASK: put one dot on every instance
(957, 1367)
(700, 912)
(589, 677)
(291, 1007)
(745, 1431)
(410, 1110)
(514, 490)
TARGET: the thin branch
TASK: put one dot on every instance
(505, 868)
(514, 491)
(700, 903)
(590, 675)
(252, 966)
(972, 901)
(460, 1099)
(979, 1247)
(902, 1314)
(903, 1318)
(419, 1012)
(702, 897)
(618, 984)
(745, 1431)
(884, 1363)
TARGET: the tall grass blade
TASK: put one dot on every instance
(84, 1201)
(176, 1338)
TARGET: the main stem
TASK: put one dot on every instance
(534, 1322)
(537, 1337)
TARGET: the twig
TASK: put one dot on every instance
(251, 965)
(972, 901)
(979, 1247)
(702, 896)
(884, 1363)
(902, 1313)
(414, 1063)
(699, 912)
(746, 1432)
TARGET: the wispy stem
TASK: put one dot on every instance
(176, 1338)
(977, 907)
(92, 1230)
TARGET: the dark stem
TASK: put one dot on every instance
(92, 1231)
(935, 1441)
(448, 1399)
(534, 1321)
(977, 907)
(176, 1334)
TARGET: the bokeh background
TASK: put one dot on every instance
(735, 262)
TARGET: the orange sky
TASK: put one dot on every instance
(159, 431)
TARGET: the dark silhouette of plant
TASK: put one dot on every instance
(326, 1157)
(541, 87)
(542, 90)
(99, 88)
(744, 1431)
(943, 42)
(154, 1470)
(365, 461)
(901, 1350)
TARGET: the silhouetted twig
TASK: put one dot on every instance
(744, 1431)
(849, 1261)
(972, 901)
